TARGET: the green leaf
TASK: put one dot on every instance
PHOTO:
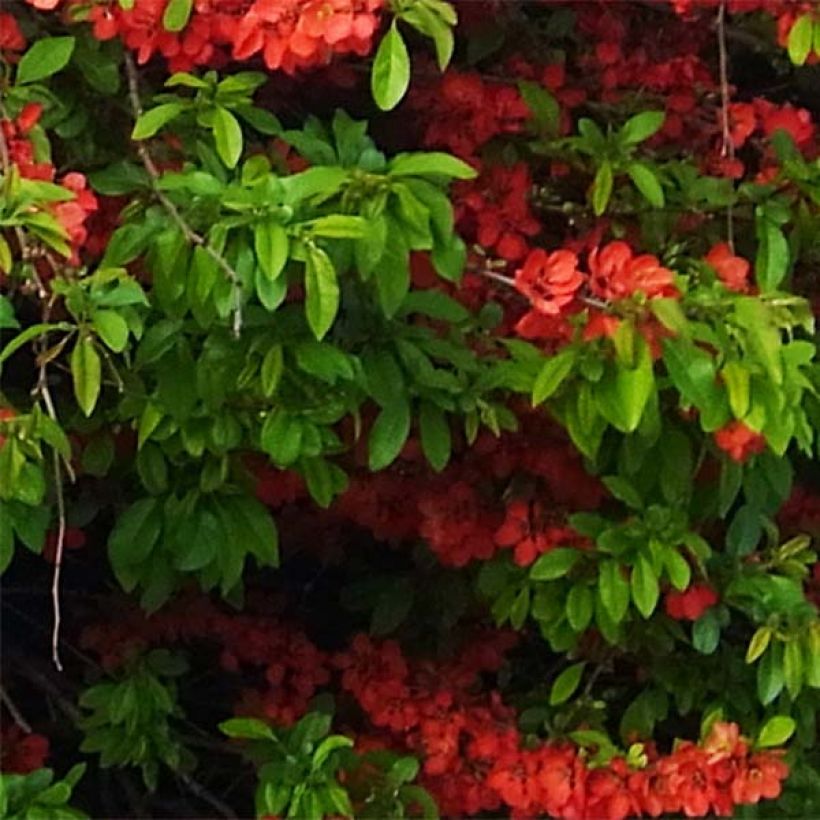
(706, 632)
(759, 643)
(646, 181)
(566, 683)
(579, 607)
(111, 328)
(270, 373)
(393, 271)
(86, 374)
(614, 590)
(644, 583)
(227, 136)
(554, 564)
(46, 57)
(770, 680)
(772, 260)
(552, 374)
(642, 126)
(6, 541)
(152, 120)
(744, 532)
(799, 42)
(793, 667)
(270, 241)
(321, 291)
(602, 187)
(435, 435)
(5, 267)
(693, 372)
(249, 728)
(390, 76)
(177, 13)
(338, 226)
(544, 107)
(622, 394)
(434, 163)
(135, 533)
(677, 568)
(389, 433)
(776, 731)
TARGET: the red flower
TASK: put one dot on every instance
(732, 270)
(739, 441)
(11, 38)
(22, 753)
(762, 777)
(616, 273)
(690, 604)
(549, 281)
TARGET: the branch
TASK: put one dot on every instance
(15, 713)
(727, 148)
(187, 231)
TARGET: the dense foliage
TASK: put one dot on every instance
(409, 408)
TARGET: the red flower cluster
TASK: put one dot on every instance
(739, 441)
(530, 531)
(732, 270)
(552, 281)
(463, 112)
(289, 34)
(11, 38)
(495, 208)
(474, 758)
(71, 214)
(690, 604)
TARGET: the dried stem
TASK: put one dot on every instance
(727, 149)
(187, 231)
(16, 716)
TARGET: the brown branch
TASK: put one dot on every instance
(197, 789)
(187, 231)
(15, 713)
(727, 147)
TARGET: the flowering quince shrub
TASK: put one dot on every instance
(409, 408)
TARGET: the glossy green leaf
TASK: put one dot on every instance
(86, 374)
(554, 564)
(227, 136)
(321, 291)
(390, 75)
(566, 683)
(389, 433)
(176, 15)
(46, 56)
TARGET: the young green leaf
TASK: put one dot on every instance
(389, 433)
(799, 41)
(646, 181)
(177, 13)
(566, 683)
(390, 76)
(602, 187)
(554, 564)
(642, 126)
(86, 374)
(644, 583)
(776, 731)
(614, 590)
(270, 241)
(155, 118)
(227, 136)
(46, 57)
(321, 291)
(553, 373)
(772, 260)
(435, 435)
(111, 328)
(434, 163)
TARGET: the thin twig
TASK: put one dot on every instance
(187, 231)
(590, 301)
(15, 713)
(206, 796)
(727, 149)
